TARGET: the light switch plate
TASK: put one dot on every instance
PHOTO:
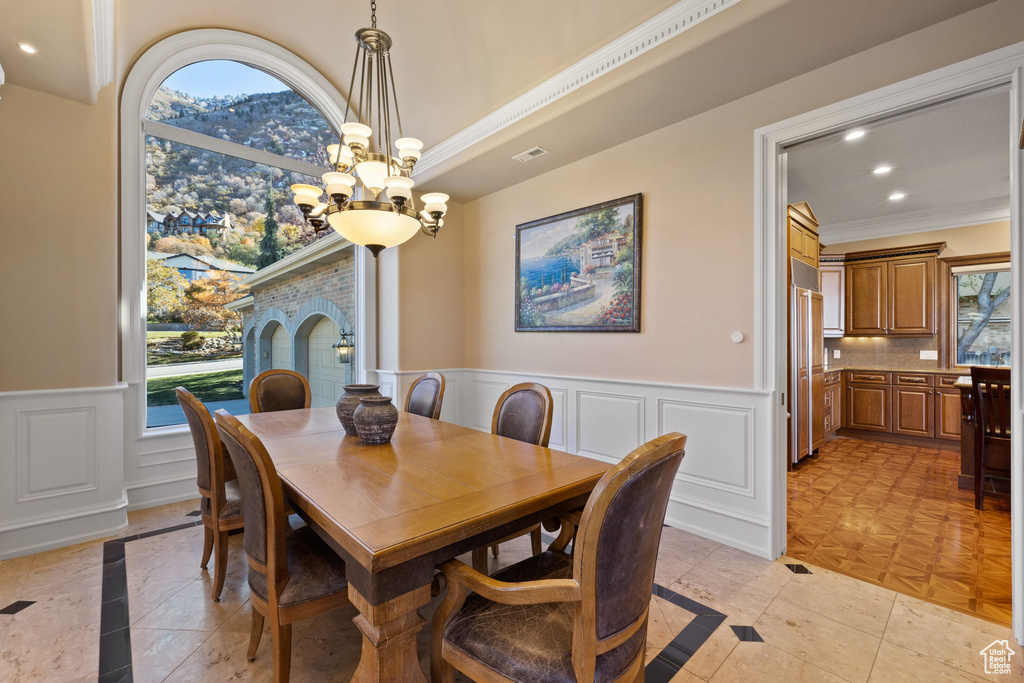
(835, 353)
(929, 355)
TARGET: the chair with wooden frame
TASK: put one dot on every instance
(559, 617)
(293, 574)
(221, 504)
(992, 418)
(426, 394)
(278, 389)
(522, 413)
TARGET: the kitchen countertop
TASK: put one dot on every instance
(932, 371)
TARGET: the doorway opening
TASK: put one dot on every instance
(894, 395)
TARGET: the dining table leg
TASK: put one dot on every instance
(389, 636)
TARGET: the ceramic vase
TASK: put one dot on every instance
(375, 418)
(349, 401)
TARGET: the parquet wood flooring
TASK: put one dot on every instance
(892, 515)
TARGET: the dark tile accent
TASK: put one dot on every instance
(799, 569)
(123, 675)
(660, 670)
(115, 634)
(747, 634)
(115, 652)
(708, 622)
(17, 606)
(194, 513)
(686, 603)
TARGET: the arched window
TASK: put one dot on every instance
(216, 125)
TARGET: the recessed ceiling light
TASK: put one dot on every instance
(882, 169)
(854, 135)
(896, 196)
(25, 47)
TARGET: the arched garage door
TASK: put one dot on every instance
(327, 377)
(281, 349)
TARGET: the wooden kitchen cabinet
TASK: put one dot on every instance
(803, 233)
(868, 407)
(947, 414)
(911, 303)
(833, 412)
(912, 411)
(866, 299)
(832, 285)
(892, 292)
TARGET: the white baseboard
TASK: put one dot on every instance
(721, 491)
(163, 491)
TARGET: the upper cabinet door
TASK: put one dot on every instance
(912, 296)
(832, 318)
(866, 298)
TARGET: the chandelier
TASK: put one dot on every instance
(369, 192)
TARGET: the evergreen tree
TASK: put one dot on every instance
(270, 248)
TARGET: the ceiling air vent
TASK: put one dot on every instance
(530, 154)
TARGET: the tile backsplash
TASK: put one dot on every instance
(881, 352)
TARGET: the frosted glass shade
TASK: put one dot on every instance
(335, 178)
(406, 153)
(342, 189)
(435, 198)
(339, 152)
(409, 143)
(356, 128)
(434, 207)
(399, 181)
(308, 195)
(374, 226)
(372, 173)
(398, 191)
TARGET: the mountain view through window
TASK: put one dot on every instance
(213, 215)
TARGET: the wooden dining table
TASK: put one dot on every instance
(394, 512)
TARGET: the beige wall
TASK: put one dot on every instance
(697, 177)
(970, 239)
(58, 263)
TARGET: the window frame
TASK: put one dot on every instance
(148, 74)
(948, 303)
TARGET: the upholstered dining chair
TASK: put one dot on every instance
(221, 503)
(426, 394)
(559, 617)
(990, 388)
(522, 413)
(278, 389)
(293, 574)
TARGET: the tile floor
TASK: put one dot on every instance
(718, 614)
(893, 515)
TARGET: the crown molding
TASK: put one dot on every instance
(974, 213)
(103, 41)
(668, 24)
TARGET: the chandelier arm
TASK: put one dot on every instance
(386, 111)
(351, 94)
(394, 95)
(362, 79)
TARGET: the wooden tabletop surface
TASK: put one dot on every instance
(436, 483)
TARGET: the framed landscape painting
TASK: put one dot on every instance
(580, 271)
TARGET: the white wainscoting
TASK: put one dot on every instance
(722, 489)
(61, 473)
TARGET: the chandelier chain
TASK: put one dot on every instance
(373, 13)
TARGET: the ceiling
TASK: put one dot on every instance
(62, 31)
(456, 61)
(948, 157)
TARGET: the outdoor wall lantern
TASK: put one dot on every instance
(345, 346)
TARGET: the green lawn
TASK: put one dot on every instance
(209, 386)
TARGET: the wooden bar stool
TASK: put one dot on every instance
(992, 417)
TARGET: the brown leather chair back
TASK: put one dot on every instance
(278, 389)
(617, 542)
(262, 499)
(204, 437)
(426, 395)
(523, 413)
(991, 389)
